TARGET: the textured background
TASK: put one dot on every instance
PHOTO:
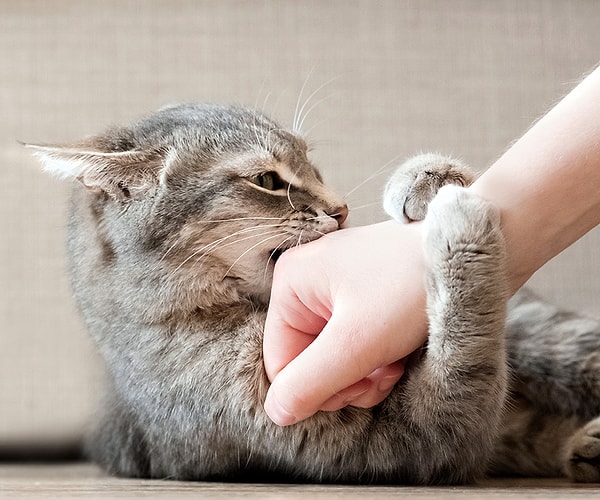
(389, 78)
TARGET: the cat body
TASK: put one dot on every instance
(176, 224)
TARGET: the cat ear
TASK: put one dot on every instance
(122, 175)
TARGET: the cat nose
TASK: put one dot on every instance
(340, 214)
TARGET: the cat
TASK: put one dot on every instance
(176, 224)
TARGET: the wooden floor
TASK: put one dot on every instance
(83, 480)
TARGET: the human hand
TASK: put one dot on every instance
(353, 301)
(345, 310)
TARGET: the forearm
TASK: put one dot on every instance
(342, 307)
(547, 185)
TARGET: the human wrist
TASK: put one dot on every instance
(546, 185)
(524, 252)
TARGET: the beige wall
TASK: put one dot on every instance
(391, 78)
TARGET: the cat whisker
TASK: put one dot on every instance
(288, 195)
(168, 251)
(267, 141)
(278, 235)
(366, 205)
(232, 219)
(262, 86)
(296, 111)
(217, 246)
(265, 101)
(308, 111)
(217, 243)
(278, 247)
(299, 242)
(289, 187)
(262, 140)
(308, 133)
(255, 111)
(270, 146)
(259, 140)
(377, 173)
(299, 118)
(228, 236)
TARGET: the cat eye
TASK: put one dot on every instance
(269, 180)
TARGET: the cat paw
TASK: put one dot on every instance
(416, 182)
(456, 215)
(462, 232)
(583, 461)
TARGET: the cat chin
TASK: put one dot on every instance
(255, 285)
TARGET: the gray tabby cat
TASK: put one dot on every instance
(176, 224)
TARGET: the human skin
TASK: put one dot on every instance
(348, 308)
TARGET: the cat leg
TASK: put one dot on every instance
(533, 442)
(453, 399)
(554, 356)
(116, 443)
(538, 443)
(416, 182)
(582, 462)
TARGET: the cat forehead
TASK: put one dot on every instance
(205, 128)
(193, 120)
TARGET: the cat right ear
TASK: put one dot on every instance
(121, 175)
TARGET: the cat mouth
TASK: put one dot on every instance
(305, 237)
(279, 250)
(276, 253)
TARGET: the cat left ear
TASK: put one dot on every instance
(121, 175)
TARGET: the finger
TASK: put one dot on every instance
(285, 337)
(384, 378)
(282, 346)
(347, 395)
(336, 356)
(290, 325)
(370, 391)
(382, 382)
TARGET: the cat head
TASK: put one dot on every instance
(205, 194)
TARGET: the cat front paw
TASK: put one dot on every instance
(416, 182)
(465, 250)
(583, 460)
(459, 219)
